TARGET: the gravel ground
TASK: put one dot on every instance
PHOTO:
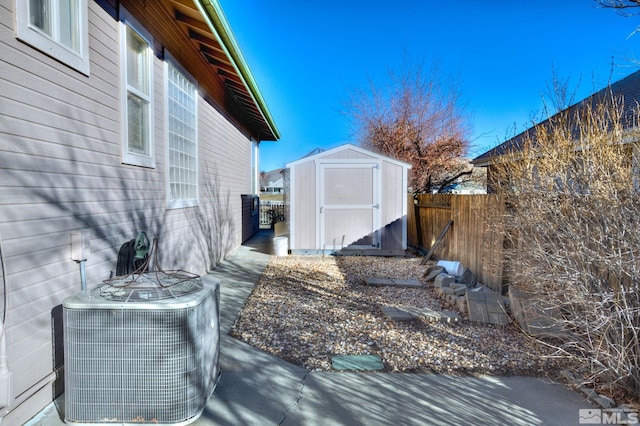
(306, 309)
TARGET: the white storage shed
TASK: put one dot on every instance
(348, 200)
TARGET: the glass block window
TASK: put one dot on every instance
(182, 138)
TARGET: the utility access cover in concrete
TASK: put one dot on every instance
(357, 362)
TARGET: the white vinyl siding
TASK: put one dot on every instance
(58, 28)
(182, 138)
(137, 93)
(60, 156)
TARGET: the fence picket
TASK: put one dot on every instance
(475, 239)
(271, 212)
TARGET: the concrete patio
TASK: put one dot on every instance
(259, 389)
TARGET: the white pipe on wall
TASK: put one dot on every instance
(6, 396)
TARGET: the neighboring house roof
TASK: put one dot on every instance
(314, 152)
(223, 54)
(272, 179)
(628, 89)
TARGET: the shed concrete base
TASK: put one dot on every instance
(347, 252)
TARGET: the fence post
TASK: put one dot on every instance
(416, 219)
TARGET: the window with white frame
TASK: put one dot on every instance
(136, 56)
(58, 28)
(182, 137)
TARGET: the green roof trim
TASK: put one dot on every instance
(214, 15)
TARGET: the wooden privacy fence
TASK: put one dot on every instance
(474, 239)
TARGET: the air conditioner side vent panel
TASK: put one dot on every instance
(140, 363)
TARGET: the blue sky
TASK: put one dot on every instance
(307, 57)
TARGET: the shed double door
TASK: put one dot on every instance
(349, 199)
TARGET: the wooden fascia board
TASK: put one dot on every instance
(229, 76)
(216, 58)
(192, 23)
(186, 3)
(205, 40)
(213, 14)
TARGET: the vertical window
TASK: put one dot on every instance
(182, 137)
(137, 86)
(255, 184)
(58, 28)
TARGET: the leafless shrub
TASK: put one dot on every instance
(573, 210)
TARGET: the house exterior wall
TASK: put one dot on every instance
(61, 170)
(304, 219)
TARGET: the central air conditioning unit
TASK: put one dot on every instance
(143, 352)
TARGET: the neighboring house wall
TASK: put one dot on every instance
(272, 181)
(477, 183)
(61, 170)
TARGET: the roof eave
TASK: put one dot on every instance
(345, 147)
(216, 20)
(482, 162)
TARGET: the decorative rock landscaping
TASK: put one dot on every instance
(308, 310)
(480, 303)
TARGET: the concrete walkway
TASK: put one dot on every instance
(259, 389)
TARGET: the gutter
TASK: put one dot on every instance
(216, 20)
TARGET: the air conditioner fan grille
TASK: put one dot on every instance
(147, 287)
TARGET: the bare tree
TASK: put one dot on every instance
(416, 117)
(619, 4)
(624, 8)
